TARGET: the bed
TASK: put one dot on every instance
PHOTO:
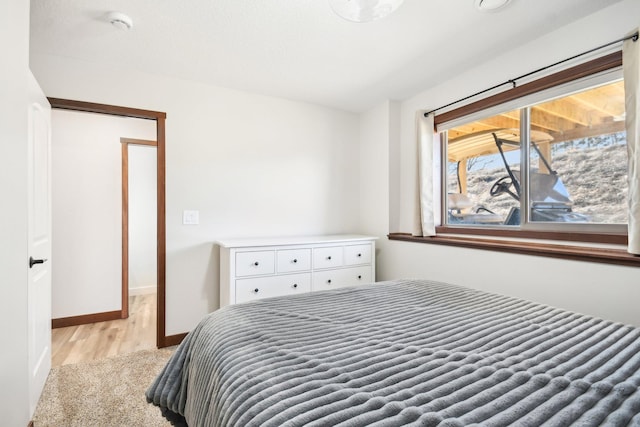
(405, 352)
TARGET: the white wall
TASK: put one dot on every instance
(87, 209)
(259, 166)
(378, 132)
(142, 219)
(252, 165)
(603, 290)
(14, 45)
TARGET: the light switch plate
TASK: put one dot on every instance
(190, 217)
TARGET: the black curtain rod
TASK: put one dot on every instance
(633, 37)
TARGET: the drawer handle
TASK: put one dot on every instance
(359, 255)
(295, 260)
(295, 285)
(329, 281)
(359, 277)
(256, 263)
(256, 290)
(329, 257)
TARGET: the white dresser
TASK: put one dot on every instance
(251, 269)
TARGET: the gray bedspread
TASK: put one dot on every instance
(398, 353)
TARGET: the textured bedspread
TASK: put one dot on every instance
(402, 353)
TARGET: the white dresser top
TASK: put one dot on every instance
(295, 240)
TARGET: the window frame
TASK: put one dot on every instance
(588, 247)
(599, 234)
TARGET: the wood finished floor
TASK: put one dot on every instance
(94, 341)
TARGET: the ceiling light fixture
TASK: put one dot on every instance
(490, 5)
(120, 20)
(364, 10)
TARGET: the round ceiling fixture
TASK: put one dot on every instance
(120, 20)
(364, 10)
(490, 5)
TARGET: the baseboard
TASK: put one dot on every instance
(172, 340)
(63, 322)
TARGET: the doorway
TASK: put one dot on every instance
(159, 117)
(139, 228)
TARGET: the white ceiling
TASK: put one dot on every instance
(297, 49)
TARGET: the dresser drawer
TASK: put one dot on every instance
(291, 260)
(327, 257)
(357, 254)
(251, 269)
(274, 286)
(332, 279)
(255, 263)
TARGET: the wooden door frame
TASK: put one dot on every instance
(160, 117)
(126, 142)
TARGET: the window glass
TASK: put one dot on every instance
(483, 171)
(577, 164)
(578, 171)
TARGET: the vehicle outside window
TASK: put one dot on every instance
(563, 162)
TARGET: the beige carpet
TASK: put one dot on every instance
(108, 392)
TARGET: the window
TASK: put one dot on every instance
(555, 161)
(538, 166)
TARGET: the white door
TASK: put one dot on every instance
(39, 262)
